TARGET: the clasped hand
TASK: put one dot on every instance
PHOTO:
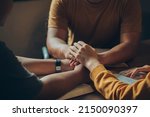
(82, 53)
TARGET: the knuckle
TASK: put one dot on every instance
(71, 47)
(79, 53)
(85, 45)
(136, 69)
(146, 66)
(74, 48)
(81, 49)
(75, 44)
(77, 56)
(94, 49)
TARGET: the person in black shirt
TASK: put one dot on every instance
(17, 80)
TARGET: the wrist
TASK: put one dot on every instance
(58, 66)
(92, 64)
(102, 58)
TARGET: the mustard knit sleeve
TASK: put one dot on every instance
(111, 88)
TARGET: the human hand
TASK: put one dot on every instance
(68, 55)
(74, 63)
(85, 54)
(139, 72)
(65, 63)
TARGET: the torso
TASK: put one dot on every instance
(96, 24)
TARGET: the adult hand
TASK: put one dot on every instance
(85, 54)
(140, 71)
(66, 65)
(68, 55)
(74, 63)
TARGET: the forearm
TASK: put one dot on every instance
(56, 85)
(119, 53)
(57, 47)
(111, 88)
(38, 66)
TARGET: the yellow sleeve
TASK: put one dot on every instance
(111, 88)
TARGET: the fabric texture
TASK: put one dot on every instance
(111, 88)
(15, 81)
(99, 25)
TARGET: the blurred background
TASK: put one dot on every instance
(26, 27)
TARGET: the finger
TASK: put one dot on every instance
(76, 63)
(71, 56)
(81, 43)
(74, 49)
(137, 70)
(72, 53)
(86, 45)
(78, 46)
(128, 74)
(73, 63)
(133, 74)
(145, 68)
(70, 62)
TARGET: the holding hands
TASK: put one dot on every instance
(84, 54)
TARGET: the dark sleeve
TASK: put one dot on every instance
(9, 64)
(16, 81)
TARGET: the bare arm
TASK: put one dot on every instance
(43, 66)
(56, 42)
(122, 52)
(56, 85)
(105, 82)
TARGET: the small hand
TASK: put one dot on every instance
(140, 71)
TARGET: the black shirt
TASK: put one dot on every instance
(15, 81)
